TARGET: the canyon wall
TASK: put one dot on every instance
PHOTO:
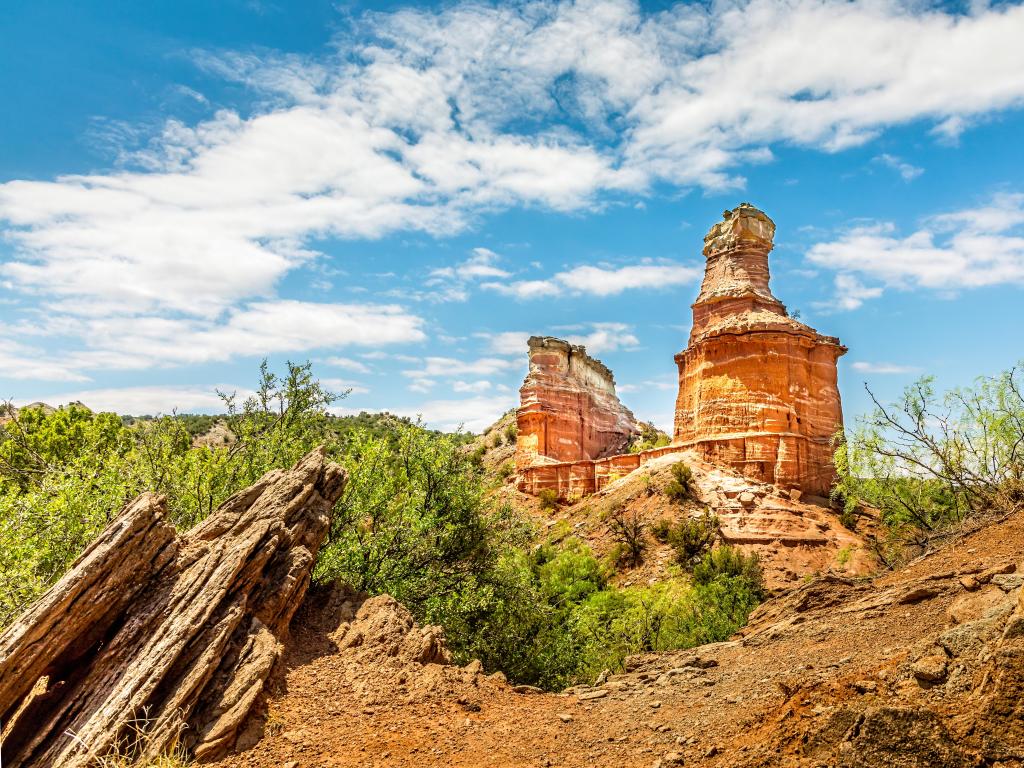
(568, 408)
(757, 389)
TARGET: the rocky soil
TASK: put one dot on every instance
(795, 537)
(923, 667)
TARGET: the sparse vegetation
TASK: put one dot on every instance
(548, 498)
(681, 487)
(726, 563)
(650, 437)
(414, 521)
(629, 531)
(928, 463)
(660, 530)
(691, 538)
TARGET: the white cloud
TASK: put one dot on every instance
(661, 385)
(525, 289)
(474, 414)
(340, 386)
(447, 367)
(471, 386)
(348, 364)
(965, 249)
(606, 337)
(601, 281)
(603, 337)
(427, 118)
(906, 171)
(141, 401)
(452, 283)
(883, 368)
(19, 361)
(259, 328)
(507, 342)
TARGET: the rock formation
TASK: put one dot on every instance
(568, 408)
(757, 389)
(154, 639)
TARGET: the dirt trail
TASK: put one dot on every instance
(924, 667)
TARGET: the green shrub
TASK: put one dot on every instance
(681, 487)
(476, 456)
(629, 532)
(510, 433)
(548, 498)
(729, 563)
(65, 474)
(660, 530)
(649, 437)
(693, 537)
(927, 462)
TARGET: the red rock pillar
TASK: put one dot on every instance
(758, 390)
(568, 408)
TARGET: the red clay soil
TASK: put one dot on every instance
(924, 667)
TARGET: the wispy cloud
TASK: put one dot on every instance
(906, 171)
(449, 367)
(883, 368)
(142, 401)
(430, 118)
(601, 281)
(956, 251)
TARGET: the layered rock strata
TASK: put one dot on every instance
(154, 640)
(568, 407)
(757, 389)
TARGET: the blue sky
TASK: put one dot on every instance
(402, 193)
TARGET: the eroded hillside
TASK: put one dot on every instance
(923, 667)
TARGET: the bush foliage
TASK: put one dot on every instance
(681, 487)
(928, 462)
(414, 521)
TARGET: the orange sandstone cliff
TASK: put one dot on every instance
(757, 389)
(568, 407)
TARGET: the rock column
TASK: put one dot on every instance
(757, 389)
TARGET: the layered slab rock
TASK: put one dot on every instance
(568, 407)
(758, 389)
(152, 639)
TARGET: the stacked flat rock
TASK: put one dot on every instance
(757, 389)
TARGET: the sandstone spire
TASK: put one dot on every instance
(568, 408)
(757, 389)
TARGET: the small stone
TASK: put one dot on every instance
(747, 498)
(600, 693)
(916, 595)
(565, 717)
(475, 667)
(526, 689)
(1009, 582)
(930, 669)
(655, 704)
(969, 583)
(672, 758)
(865, 686)
(291, 764)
